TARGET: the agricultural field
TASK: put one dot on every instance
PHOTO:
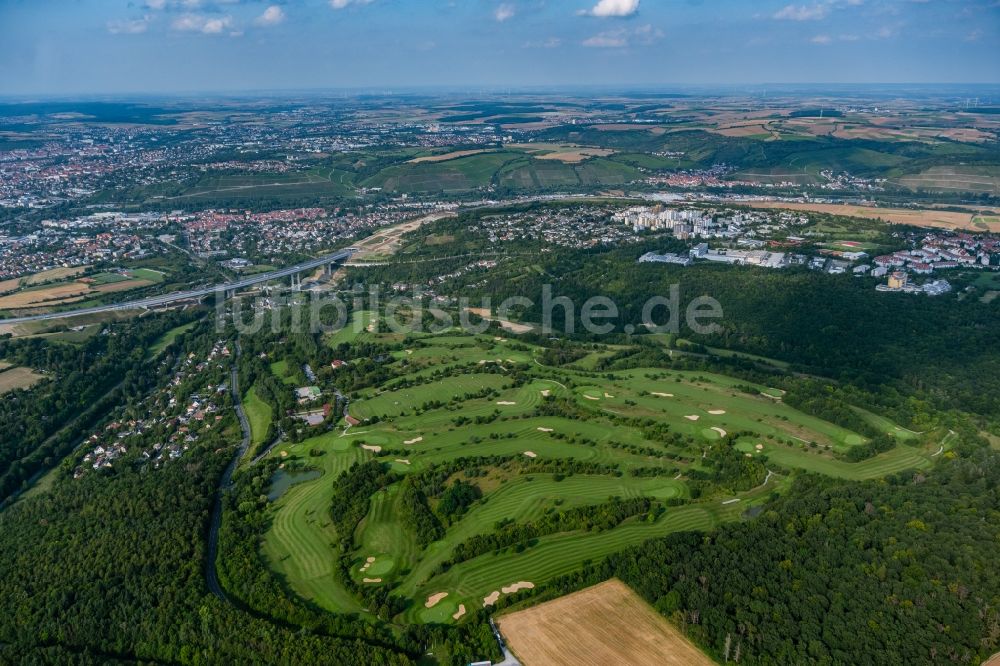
(58, 287)
(604, 624)
(568, 152)
(444, 157)
(555, 166)
(980, 179)
(938, 219)
(535, 442)
(15, 378)
(320, 182)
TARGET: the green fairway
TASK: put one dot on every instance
(280, 370)
(167, 338)
(301, 542)
(358, 324)
(896, 460)
(259, 414)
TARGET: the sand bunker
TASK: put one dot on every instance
(545, 393)
(491, 598)
(759, 447)
(414, 440)
(409, 351)
(663, 395)
(372, 580)
(372, 448)
(517, 587)
(505, 402)
(692, 417)
(608, 395)
(368, 562)
(402, 461)
(590, 397)
(717, 412)
(459, 613)
(434, 599)
(545, 429)
(722, 433)
(284, 454)
(531, 454)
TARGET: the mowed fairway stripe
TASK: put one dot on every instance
(898, 459)
(300, 544)
(560, 554)
(523, 500)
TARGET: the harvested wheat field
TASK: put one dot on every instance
(46, 295)
(938, 219)
(576, 155)
(454, 155)
(54, 274)
(7, 286)
(603, 624)
(18, 378)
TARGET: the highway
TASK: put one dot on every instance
(166, 299)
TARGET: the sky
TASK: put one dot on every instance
(67, 47)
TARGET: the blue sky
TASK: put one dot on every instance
(111, 46)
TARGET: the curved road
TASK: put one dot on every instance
(211, 574)
(165, 299)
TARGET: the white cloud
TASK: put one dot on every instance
(802, 12)
(550, 43)
(647, 34)
(341, 4)
(185, 4)
(504, 12)
(273, 15)
(208, 25)
(612, 39)
(622, 37)
(129, 26)
(606, 8)
(822, 39)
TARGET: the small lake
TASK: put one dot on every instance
(285, 479)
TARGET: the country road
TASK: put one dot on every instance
(211, 573)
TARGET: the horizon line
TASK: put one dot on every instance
(391, 90)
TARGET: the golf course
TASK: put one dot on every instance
(494, 472)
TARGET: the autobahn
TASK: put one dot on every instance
(166, 299)
(192, 294)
